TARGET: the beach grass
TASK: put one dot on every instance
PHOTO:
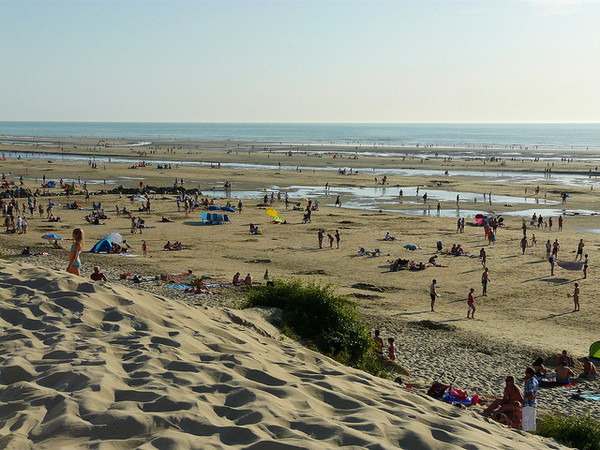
(323, 320)
(578, 431)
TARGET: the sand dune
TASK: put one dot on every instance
(87, 364)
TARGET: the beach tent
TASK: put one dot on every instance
(595, 350)
(213, 218)
(271, 212)
(102, 246)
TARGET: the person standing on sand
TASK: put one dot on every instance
(433, 294)
(320, 235)
(555, 248)
(548, 249)
(144, 249)
(391, 349)
(552, 261)
(471, 304)
(485, 279)
(338, 202)
(76, 248)
(337, 238)
(331, 239)
(580, 250)
(378, 343)
(529, 400)
(576, 297)
(586, 264)
(524, 244)
(560, 223)
(483, 256)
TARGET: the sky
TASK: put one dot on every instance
(395, 61)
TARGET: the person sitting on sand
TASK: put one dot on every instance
(165, 220)
(236, 278)
(433, 262)
(512, 395)
(97, 275)
(252, 228)
(564, 358)
(168, 246)
(391, 349)
(539, 368)
(453, 249)
(378, 343)
(26, 251)
(563, 374)
(388, 237)
(248, 280)
(589, 369)
(514, 421)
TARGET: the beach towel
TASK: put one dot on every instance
(413, 247)
(570, 265)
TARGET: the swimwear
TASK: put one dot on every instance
(77, 263)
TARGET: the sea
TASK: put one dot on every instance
(572, 137)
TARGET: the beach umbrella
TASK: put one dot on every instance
(214, 208)
(139, 198)
(228, 209)
(271, 212)
(114, 237)
(52, 237)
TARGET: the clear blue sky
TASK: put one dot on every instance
(300, 60)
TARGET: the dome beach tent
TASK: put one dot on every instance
(102, 246)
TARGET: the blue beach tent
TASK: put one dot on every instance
(102, 246)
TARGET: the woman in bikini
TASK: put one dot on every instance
(76, 248)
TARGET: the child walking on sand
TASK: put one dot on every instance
(471, 304)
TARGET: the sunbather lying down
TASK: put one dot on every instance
(376, 252)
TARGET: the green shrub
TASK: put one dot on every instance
(582, 432)
(319, 317)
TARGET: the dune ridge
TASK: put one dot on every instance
(87, 364)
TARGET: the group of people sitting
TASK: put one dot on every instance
(96, 217)
(255, 229)
(53, 218)
(509, 409)
(391, 353)
(457, 250)
(563, 372)
(117, 248)
(172, 247)
(238, 280)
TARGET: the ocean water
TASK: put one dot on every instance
(502, 136)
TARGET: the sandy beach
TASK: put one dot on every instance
(527, 312)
